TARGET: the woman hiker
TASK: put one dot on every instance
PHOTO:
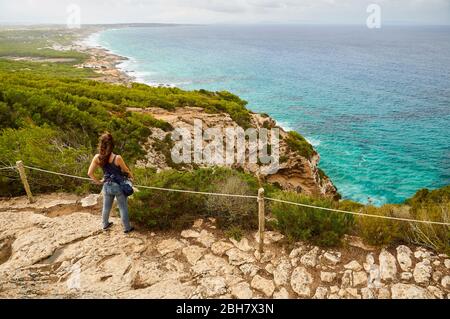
(113, 167)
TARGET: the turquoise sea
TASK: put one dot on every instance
(374, 103)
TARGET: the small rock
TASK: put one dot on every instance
(404, 257)
(269, 268)
(265, 257)
(367, 293)
(220, 247)
(189, 233)
(249, 269)
(301, 281)
(310, 258)
(241, 291)
(388, 267)
(436, 292)
(445, 282)
(437, 275)
(198, 223)
(193, 253)
(353, 265)
(321, 293)
(213, 286)
(281, 273)
(436, 263)
(242, 244)
(238, 257)
(406, 276)
(347, 279)
(357, 242)
(264, 285)
(447, 263)
(295, 252)
(332, 258)
(295, 261)
(359, 278)
(327, 276)
(422, 272)
(281, 294)
(168, 246)
(383, 293)
(90, 200)
(269, 237)
(206, 238)
(406, 291)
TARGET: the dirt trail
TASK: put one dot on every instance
(55, 248)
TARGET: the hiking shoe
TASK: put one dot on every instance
(129, 230)
(109, 225)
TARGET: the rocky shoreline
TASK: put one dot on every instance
(54, 248)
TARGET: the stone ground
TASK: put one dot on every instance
(55, 248)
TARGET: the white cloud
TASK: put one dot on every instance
(227, 11)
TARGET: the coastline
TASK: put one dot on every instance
(102, 60)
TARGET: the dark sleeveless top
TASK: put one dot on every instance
(111, 170)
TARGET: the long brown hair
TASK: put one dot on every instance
(105, 148)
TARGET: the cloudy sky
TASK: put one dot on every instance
(226, 11)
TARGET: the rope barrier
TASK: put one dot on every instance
(356, 213)
(249, 196)
(7, 167)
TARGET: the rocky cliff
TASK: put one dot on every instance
(55, 248)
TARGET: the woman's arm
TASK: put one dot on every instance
(124, 166)
(92, 168)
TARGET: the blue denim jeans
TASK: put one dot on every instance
(111, 190)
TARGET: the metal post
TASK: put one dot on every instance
(261, 219)
(23, 177)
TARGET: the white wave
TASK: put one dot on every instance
(313, 141)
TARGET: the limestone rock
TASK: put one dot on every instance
(445, 282)
(327, 276)
(383, 293)
(265, 257)
(437, 275)
(347, 279)
(206, 238)
(310, 258)
(359, 278)
(321, 293)
(198, 223)
(249, 269)
(447, 263)
(406, 276)
(332, 258)
(212, 286)
(167, 289)
(404, 257)
(281, 273)
(242, 244)
(388, 267)
(436, 292)
(212, 265)
(353, 265)
(241, 291)
(220, 247)
(295, 252)
(168, 246)
(193, 253)
(270, 268)
(406, 291)
(238, 257)
(90, 200)
(422, 272)
(301, 281)
(264, 285)
(281, 294)
(367, 293)
(269, 237)
(189, 233)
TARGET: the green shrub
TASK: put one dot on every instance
(234, 232)
(45, 148)
(173, 210)
(320, 227)
(380, 231)
(299, 144)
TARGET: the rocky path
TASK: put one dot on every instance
(54, 248)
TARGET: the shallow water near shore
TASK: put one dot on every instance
(374, 103)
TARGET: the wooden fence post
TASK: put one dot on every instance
(261, 219)
(23, 177)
